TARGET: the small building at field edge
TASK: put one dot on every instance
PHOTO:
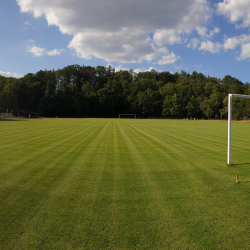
(24, 113)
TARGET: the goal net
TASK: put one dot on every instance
(133, 116)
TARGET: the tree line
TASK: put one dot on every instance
(84, 91)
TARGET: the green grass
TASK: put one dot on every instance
(123, 184)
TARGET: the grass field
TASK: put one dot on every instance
(123, 184)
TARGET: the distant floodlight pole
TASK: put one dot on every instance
(229, 123)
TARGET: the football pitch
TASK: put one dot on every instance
(123, 184)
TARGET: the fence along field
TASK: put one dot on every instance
(123, 184)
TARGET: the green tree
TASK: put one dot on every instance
(207, 108)
(177, 108)
(167, 105)
(193, 107)
(216, 102)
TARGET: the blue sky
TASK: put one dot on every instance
(211, 37)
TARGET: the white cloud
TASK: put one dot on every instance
(167, 36)
(111, 15)
(193, 43)
(30, 41)
(151, 68)
(138, 70)
(120, 68)
(202, 31)
(118, 30)
(27, 23)
(109, 65)
(205, 44)
(124, 46)
(9, 74)
(235, 10)
(168, 59)
(245, 52)
(147, 70)
(229, 43)
(55, 52)
(210, 46)
(214, 31)
(233, 42)
(182, 66)
(37, 51)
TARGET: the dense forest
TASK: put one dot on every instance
(84, 91)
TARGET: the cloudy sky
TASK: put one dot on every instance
(207, 36)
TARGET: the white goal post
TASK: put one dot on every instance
(126, 114)
(229, 123)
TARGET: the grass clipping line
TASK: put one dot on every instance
(123, 184)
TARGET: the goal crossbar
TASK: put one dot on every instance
(127, 114)
(230, 96)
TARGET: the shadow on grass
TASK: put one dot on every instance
(13, 120)
(244, 181)
(238, 164)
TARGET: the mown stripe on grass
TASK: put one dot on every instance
(197, 192)
(123, 184)
(38, 183)
(158, 210)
